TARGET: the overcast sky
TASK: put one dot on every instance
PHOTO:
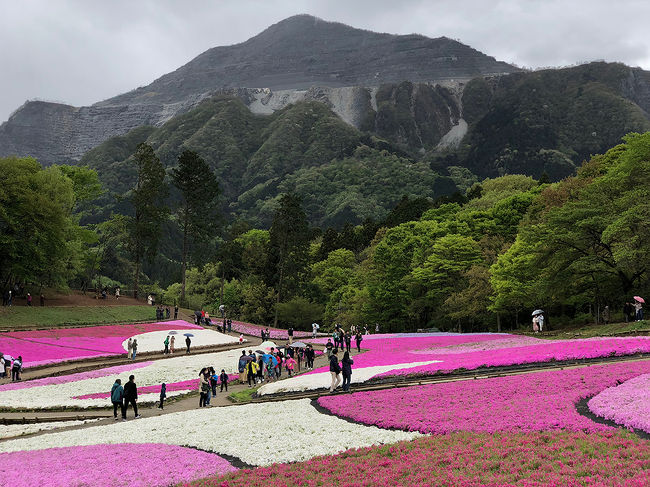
(83, 51)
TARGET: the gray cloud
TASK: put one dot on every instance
(80, 51)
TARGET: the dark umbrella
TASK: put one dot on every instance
(247, 358)
(172, 333)
(188, 334)
(261, 352)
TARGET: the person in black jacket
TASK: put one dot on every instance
(347, 370)
(335, 370)
(130, 397)
(309, 356)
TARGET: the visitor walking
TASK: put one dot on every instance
(172, 344)
(638, 308)
(328, 347)
(166, 343)
(260, 371)
(188, 342)
(163, 395)
(309, 357)
(290, 363)
(358, 338)
(42, 298)
(290, 333)
(251, 370)
(214, 381)
(117, 293)
(540, 322)
(3, 366)
(204, 387)
(347, 370)
(129, 348)
(335, 371)
(241, 366)
(376, 328)
(223, 378)
(135, 348)
(348, 341)
(117, 397)
(16, 368)
(130, 397)
(29, 299)
(314, 329)
(175, 311)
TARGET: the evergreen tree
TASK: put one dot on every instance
(197, 213)
(289, 241)
(150, 212)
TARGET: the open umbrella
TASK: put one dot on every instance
(267, 345)
(188, 334)
(247, 358)
(172, 333)
(299, 345)
(261, 352)
(538, 312)
(639, 299)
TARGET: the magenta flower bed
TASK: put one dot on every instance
(256, 331)
(58, 345)
(627, 404)
(537, 401)
(482, 350)
(64, 379)
(186, 385)
(558, 459)
(128, 465)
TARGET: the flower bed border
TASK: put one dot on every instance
(583, 409)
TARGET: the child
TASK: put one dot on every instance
(241, 338)
(224, 380)
(163, 395)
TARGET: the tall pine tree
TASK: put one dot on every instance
(150, 211)
(197, 212)
(289, 242)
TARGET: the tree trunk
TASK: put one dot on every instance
(223, 276)
(136, 279)
(184, 265)
(277, 299)
(498, 323)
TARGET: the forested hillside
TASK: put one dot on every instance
(342, 174)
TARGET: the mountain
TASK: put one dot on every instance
(342, 174)
(300, 58)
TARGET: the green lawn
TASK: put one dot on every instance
(244, 395)
(17, 317)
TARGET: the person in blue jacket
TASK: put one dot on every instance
(117, 397)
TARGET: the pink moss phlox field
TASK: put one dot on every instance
(132, 465)
(627, 404)
(64, 379)
(256, 330)
(482, 350)
(537, 401)
(558, 459)
(41, 347)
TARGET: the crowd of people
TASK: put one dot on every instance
(11, 365)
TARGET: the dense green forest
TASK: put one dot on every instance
(480, 259)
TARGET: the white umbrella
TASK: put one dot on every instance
(538, 312)
(267, 345)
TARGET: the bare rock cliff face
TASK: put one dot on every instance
(300, 58)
